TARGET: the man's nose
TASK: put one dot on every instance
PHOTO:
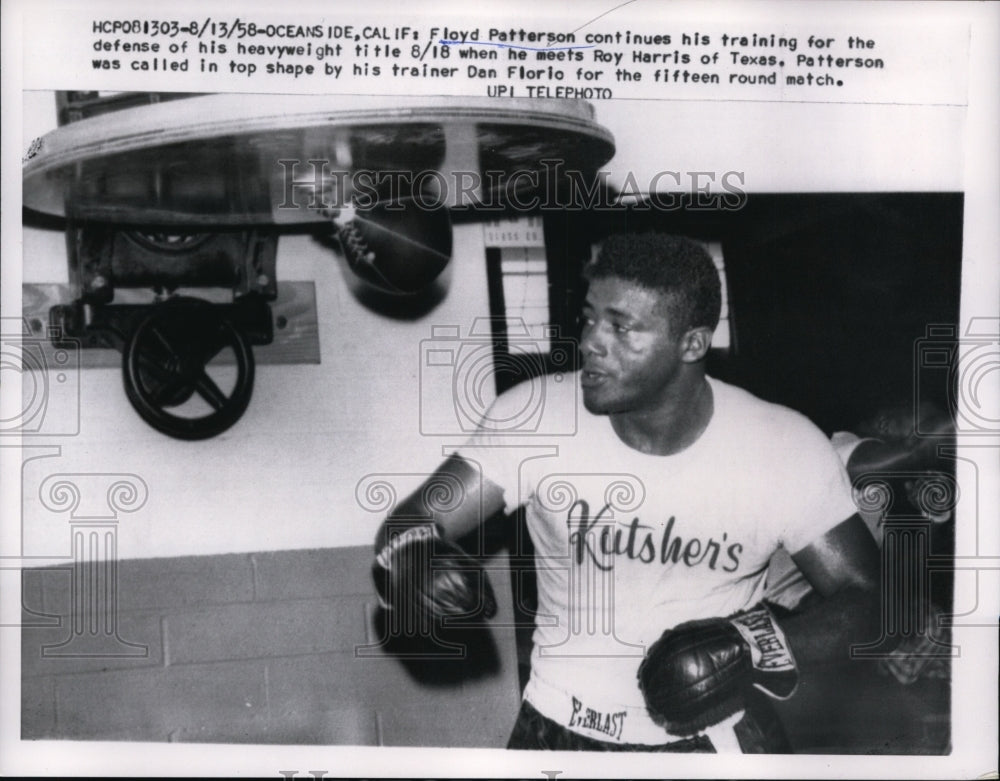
(591, 341)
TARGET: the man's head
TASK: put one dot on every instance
(675, 266)
(651, 308)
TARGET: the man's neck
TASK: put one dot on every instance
(674, 425)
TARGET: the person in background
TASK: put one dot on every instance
(897, 449)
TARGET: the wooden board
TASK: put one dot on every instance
(296, 331)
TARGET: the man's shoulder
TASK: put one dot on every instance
(554, 388)
(540, 405)
(765, 419)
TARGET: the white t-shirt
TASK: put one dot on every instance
(786, 585)
(629, 545)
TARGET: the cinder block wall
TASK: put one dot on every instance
(256, 648)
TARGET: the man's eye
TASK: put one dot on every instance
(622, 328)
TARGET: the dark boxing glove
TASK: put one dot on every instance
(699, 672)
(425, 577)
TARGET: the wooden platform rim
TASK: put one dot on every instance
(213, 116)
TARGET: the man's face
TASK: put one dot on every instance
(631, 356)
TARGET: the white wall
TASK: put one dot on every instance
(285, 475)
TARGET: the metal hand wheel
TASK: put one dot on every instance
(188, 370)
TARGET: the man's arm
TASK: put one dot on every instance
(873, 456)
(843, 566)
(891, 442)
(418, 568)
(697, 673)
(456, 498)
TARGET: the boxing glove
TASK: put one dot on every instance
(425, 577)
(699, 672)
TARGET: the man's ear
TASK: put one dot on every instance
(695, 344)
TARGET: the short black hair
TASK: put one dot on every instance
(677, 266)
